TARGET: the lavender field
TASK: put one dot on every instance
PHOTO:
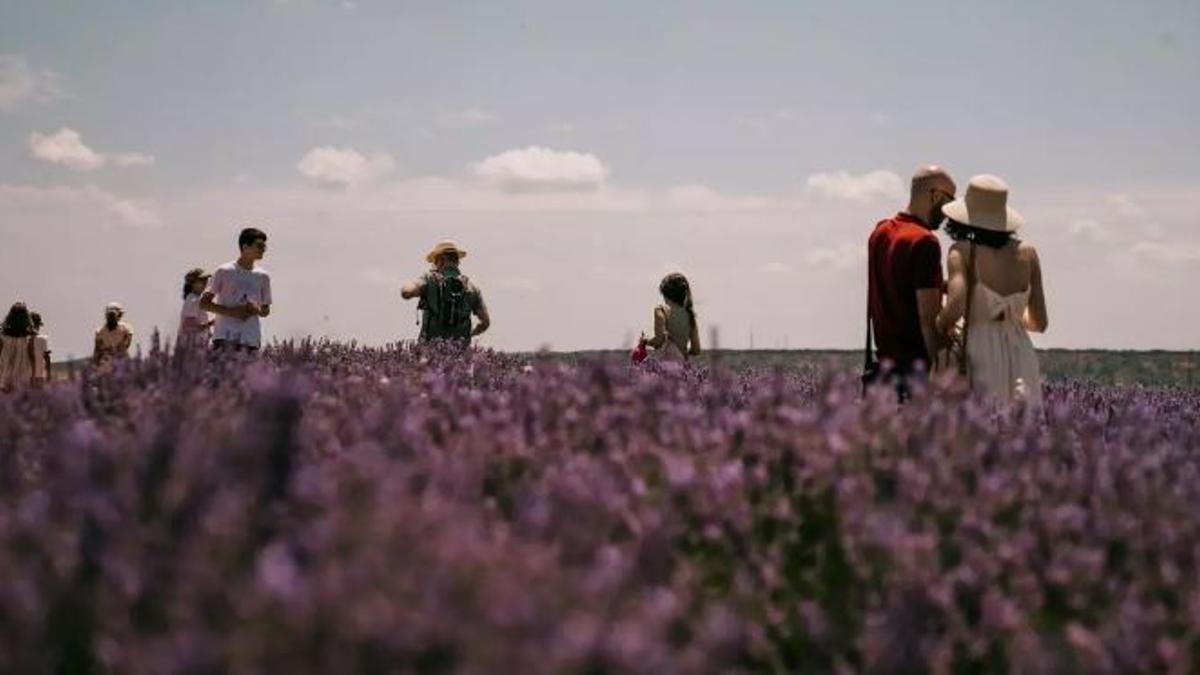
(336, 509)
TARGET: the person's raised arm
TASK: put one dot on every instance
(660, 328)
(1036, 318)
(412, 289)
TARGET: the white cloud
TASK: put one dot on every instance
(1125, 206)
(128, 159)
(132, 212)
(538, 168)
(20, 83)
(66, 147)
(88, 202)
(844, 256)
(1089, 230)
(704, 198)
(343, 166)
(880, 184)
(1170, 254)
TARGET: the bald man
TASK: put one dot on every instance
(904, 277)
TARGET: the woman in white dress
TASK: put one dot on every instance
(995, 282)
(22, 361)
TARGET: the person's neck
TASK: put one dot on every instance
(245, 263)
(911, 212)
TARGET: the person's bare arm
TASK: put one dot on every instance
(929, 303)
(97, 350)
(209, 305)
(485, 320)
(660, 329)
(694, 340)
(412, 289)
(956, 293)
(1036, 318)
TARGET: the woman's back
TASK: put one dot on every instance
(1000, 353)
(21, 362)
(678, 325)
(1005, 270)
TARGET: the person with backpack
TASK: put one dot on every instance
(676, 333)
(22, 363)
(447, 298)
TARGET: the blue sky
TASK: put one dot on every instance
(579, 151)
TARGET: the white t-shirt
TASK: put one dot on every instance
(234, 285)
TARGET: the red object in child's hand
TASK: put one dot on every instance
(639, 352)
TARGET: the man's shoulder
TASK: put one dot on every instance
(226, 268)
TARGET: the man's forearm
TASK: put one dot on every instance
(929, 333)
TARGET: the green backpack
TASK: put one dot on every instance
(447, 303)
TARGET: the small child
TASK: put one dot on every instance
(676, 334)
(195, 324)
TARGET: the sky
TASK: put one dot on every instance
(580, 151)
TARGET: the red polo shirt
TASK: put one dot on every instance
(903, 256)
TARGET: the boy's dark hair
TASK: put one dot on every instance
(18, 323)
(249, 236)
(36, 320)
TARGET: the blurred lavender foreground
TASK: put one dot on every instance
(334, 509)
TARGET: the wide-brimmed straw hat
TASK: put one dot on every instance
(445, 247)
(985, 206)
(196, 274)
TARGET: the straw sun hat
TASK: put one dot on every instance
(985, 206)
(445, 247)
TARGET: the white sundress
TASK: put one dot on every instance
(1001, 356)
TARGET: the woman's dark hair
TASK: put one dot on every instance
(18, 323)
(990, 238)
(675, 287)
